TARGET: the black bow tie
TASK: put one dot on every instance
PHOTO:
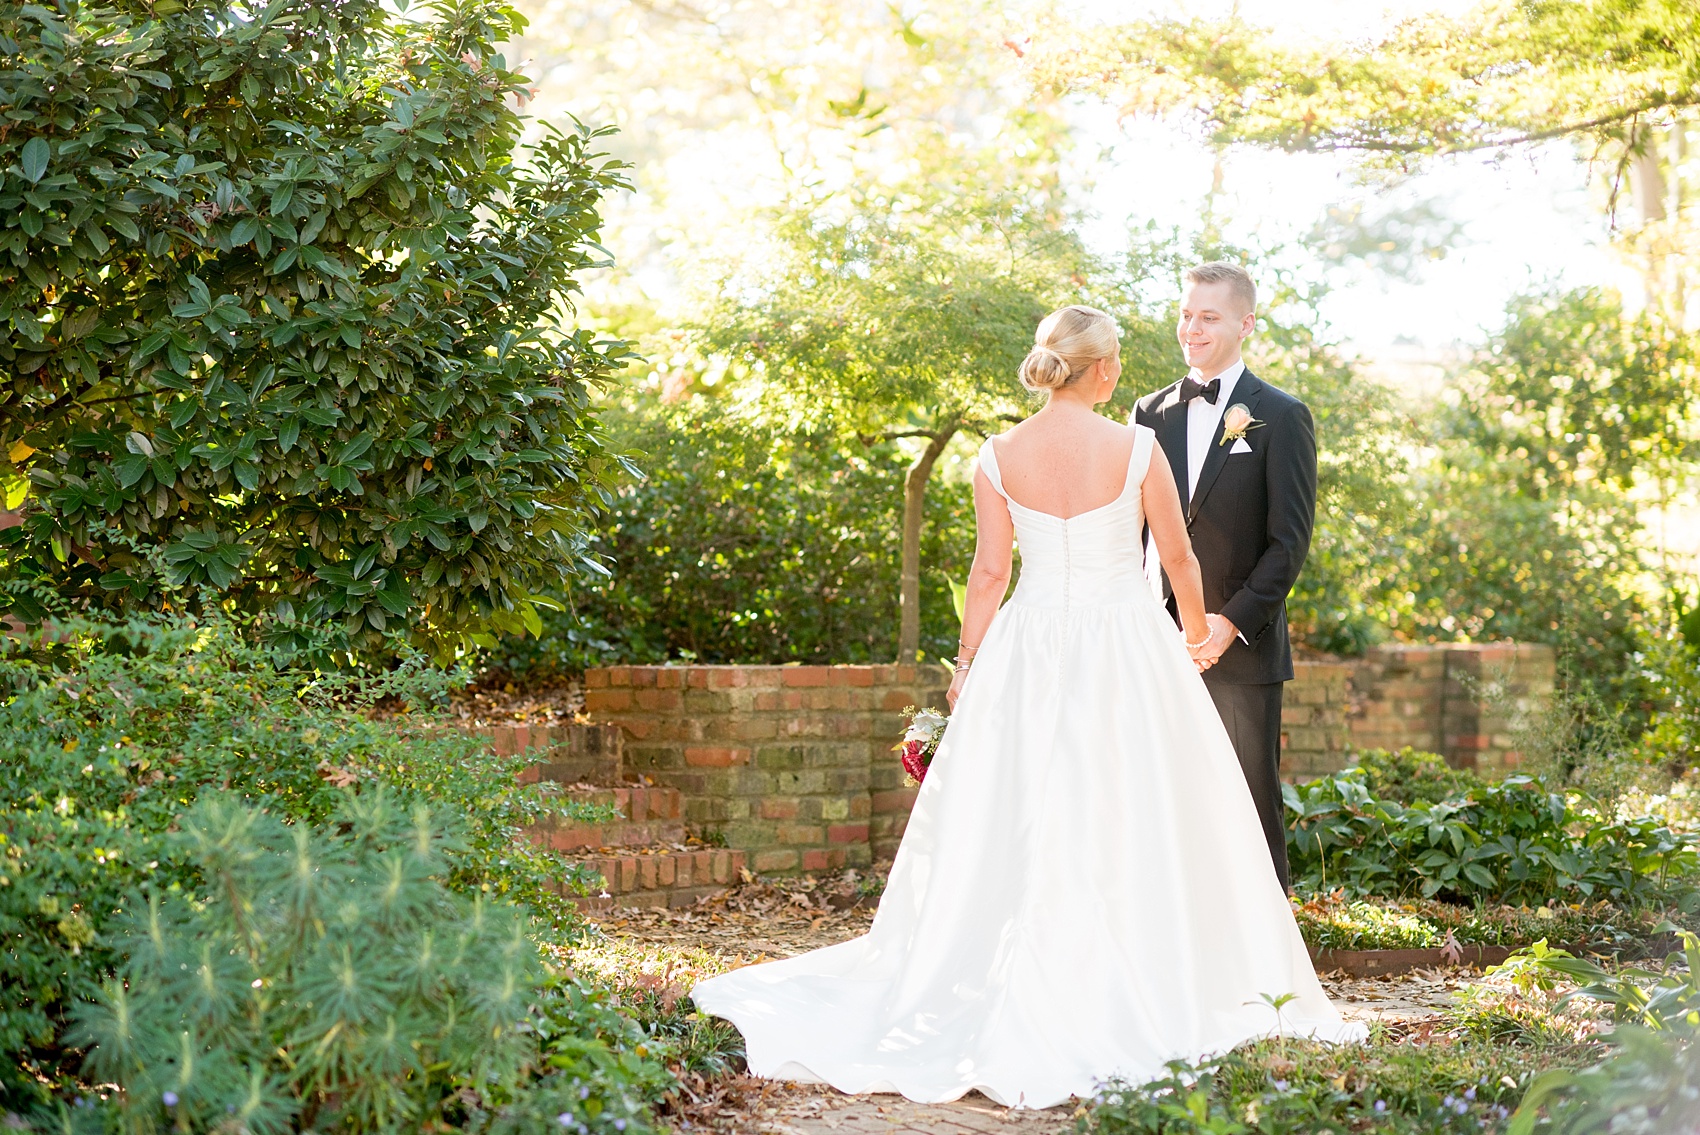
(1192, 388)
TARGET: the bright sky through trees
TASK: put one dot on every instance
(1529, 219)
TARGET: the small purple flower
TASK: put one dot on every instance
(1448, 1101)
(170, 1099)
(619, 1125)
(565, 1119)
(1280, 1085)
(1469, 1093)
(584, 1092)
(1380, 1105)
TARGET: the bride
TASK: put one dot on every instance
(1083, 890)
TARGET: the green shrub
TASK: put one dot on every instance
(317, 977)
(1649, 1085)
(744, 547)
(1411, 776)
(286, 302)
(110, 733)
(1512, 842)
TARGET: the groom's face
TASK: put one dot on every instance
(1212, 325)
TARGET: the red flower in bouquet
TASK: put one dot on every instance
(920, 741)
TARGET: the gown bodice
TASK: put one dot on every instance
(1093, 559)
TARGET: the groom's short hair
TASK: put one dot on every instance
(1221, 272)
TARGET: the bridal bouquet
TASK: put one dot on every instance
(921, 741)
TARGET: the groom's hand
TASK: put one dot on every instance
(1222, 636)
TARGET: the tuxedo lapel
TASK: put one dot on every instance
(1246, 393)
(1171, 433)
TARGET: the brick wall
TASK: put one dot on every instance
(793, 764)
(790, 763)
(1461, 701)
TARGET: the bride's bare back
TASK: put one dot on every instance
(1065, 461)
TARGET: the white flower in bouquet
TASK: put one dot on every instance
(926, 726)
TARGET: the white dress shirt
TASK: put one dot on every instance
(1202, 418)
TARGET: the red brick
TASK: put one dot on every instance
(619, 675)
(639, 730)
(704, 757)
(530, 775)
(658, 701)
(627, 869)
(666, 869)
(607, 701)
(895, 700)
(648, 873)
(816, 860)
(898, 801)
(670, 678)
(767, 701)
(726, 678)
(847, 833)
(774, 808)
(596, 679)
(696, 678)
(806, 676)
(722, 868)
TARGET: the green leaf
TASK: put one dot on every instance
(34, 158)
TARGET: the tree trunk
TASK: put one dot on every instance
(914, 512)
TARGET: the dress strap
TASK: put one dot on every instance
(989, 465)
(1139, 461)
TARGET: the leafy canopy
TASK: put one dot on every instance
(284, 317)
(1501, 74)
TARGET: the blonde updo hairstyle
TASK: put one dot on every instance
(1066, 345)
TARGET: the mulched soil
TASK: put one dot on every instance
(509, 704)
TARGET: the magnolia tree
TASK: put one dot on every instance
(285, 319)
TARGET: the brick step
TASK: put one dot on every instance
(664, 875)
(650, 815)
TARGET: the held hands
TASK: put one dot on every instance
(1222, 632)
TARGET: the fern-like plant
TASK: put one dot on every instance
(324, 978)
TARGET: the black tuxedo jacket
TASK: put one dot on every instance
(1250, 520)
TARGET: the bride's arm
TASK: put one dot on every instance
(988, 579)
(1174, 548)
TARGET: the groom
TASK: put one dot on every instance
(1244, 457)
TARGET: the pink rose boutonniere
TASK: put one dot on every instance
(1237, 422)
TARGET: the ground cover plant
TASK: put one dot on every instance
(1335, 921)
(1398, 1081)
(1513, 842)
(111, 734)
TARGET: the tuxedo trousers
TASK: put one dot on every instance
(1252, 715)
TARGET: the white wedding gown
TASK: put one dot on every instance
(1083, 890)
